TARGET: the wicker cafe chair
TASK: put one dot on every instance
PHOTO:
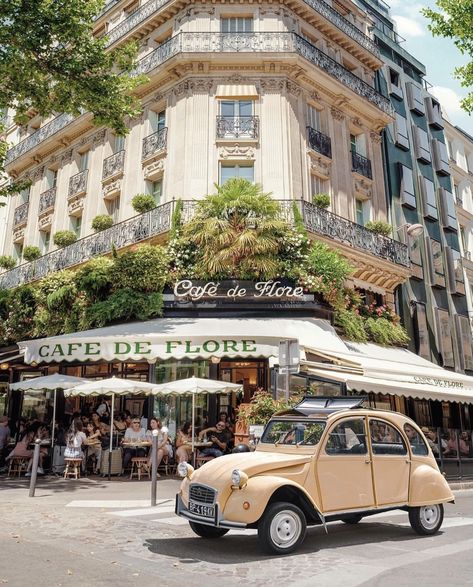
(139, 465)
(18, 465)
(201, 459)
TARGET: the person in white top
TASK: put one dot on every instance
(74, 441)
(164, 447)
(133, 436)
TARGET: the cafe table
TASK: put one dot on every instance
(199, 444)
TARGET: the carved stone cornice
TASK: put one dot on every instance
(275, 84)
(294, 89)
(337, 114)
(111, 190)
(237, 151)
(375, 137)
(154, 169)
(320, 166)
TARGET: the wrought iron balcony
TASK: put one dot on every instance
(47, 200)
(154, 143)
(319, 142)
(113, 165)
(78, 183)
(21, 214)
(361, 165)
(324, 9)
(321, 221)
(237, 127)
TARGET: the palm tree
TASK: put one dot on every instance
(237, 231)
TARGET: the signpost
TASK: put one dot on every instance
(289, 361)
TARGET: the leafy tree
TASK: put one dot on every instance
(454, 20)
(237, 231)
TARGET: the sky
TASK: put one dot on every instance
(439, 55)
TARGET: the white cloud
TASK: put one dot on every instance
(448, 98)
(408, 27)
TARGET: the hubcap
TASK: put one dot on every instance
(429, 516)
(285, 529)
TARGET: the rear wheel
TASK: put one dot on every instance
(426, 519)
(207, 531)
(282, 528)
(352, 519)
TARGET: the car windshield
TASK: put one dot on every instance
(303, 432)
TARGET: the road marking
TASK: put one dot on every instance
(114, 503)
(160, 509)
(174, 521)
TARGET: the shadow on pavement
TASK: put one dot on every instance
(234, 549)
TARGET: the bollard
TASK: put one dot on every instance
(154, 467)
(34, 468)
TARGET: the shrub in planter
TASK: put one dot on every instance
(379, 227)
(386, 333)
(143, 203)
(31, 253)
(7, 262)
(321, 200)
(144, 269)
(102, 222)
(63, 238)
(352, 325)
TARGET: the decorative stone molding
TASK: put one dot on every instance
(154, 170)
(200, 85)
(99, 137)
(272, 84)
(75, 205)
(181, 89)
(363, 187)
(356, 122)
(237, 151)
(38, 173)
(375, 137)
(293, 89)
(320, 165)
(45, 220)
(19, 234)
(67, 157)
(111, 190)
(337, 114)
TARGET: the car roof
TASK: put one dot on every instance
(324, 405)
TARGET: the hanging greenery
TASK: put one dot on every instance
(143, 269)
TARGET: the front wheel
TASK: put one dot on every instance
(282, 528)
(426, 519)
(207, 531)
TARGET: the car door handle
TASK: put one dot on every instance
(367, 461)
(408, 461)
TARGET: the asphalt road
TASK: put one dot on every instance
(94, 534)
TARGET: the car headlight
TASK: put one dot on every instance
(239, 479)
(184, 469)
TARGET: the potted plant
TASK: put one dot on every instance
(102, 222)
(31, 253)
(63, 238)
(143, 203)
(7, 262)
(379, 227)
(321, 200)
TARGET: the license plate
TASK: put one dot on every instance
(207, 511)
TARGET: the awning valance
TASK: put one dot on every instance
(179, 338)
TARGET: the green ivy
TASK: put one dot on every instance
(144, 269)
(122, 305)
(385, 332)
(352, 325)
(94, 279)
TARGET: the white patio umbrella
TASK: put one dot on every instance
(112, 386)
(194, 386)
(49, 383)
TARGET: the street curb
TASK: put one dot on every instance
(458, 486)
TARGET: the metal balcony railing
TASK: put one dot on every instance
(154, 143)
(78, 183)
(113, 165)
(47, 200)
(361, 165)
(319, 142)
(237, 127)
(20, 215)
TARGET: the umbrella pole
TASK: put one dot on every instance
(111, 439)
(54, 420)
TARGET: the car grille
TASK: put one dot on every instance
(201, 493)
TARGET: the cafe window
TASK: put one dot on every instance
(400, 127)
(385, 439)
(348, 437)
(407, 192)
(447, 208)
(416, 442)
(444, 337)
(421, 144)
(421, 331)
(435, 262)
(463, 328)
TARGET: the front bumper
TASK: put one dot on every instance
(218, 521)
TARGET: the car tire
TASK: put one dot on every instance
(427, 519)
(207, 531)
(282, 528)
(352, 519)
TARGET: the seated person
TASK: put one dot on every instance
(133, 435)
(22, 450)
(97, 420)
(219, 437)
(74, 440)
(164, 448)
(94, 447)
(184, 443)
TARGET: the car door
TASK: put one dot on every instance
(391, 463)
(344, 467)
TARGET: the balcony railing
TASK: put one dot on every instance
(21, 214)
(78, 183)
(158, 221)
(324, 9)
(361, 165)
(237, 127)
(154, 143)
(113, 165)
(218, 43)
(319, 142)
(47, 200)
(321, 221)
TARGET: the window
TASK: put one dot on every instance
(385, 439)
(45, 242)
(395, 84)
(450, 150)
(444, 337)
(414, 98)
(76, 225)
(447, 207)
(348, 437)
(84, 161)
(358, 144)
(157, 120)
(407, 193)
(421, 330)
(440, 157)
(25, 195)
(318, 185)
(303, 432)
(236, 24)
(118, 143)
(435, 261)
(434, 113)
(466, 347)
(402, 140)
(235, 108)
(360, 212)
(236, 119)
(230, 170)
(17, 251)
(155, 189)
(313, 118)
(455, 271)
(458, 194)
(51, 178)
(113, 208)
(428, 198)
(417, 443)
(422, 147)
